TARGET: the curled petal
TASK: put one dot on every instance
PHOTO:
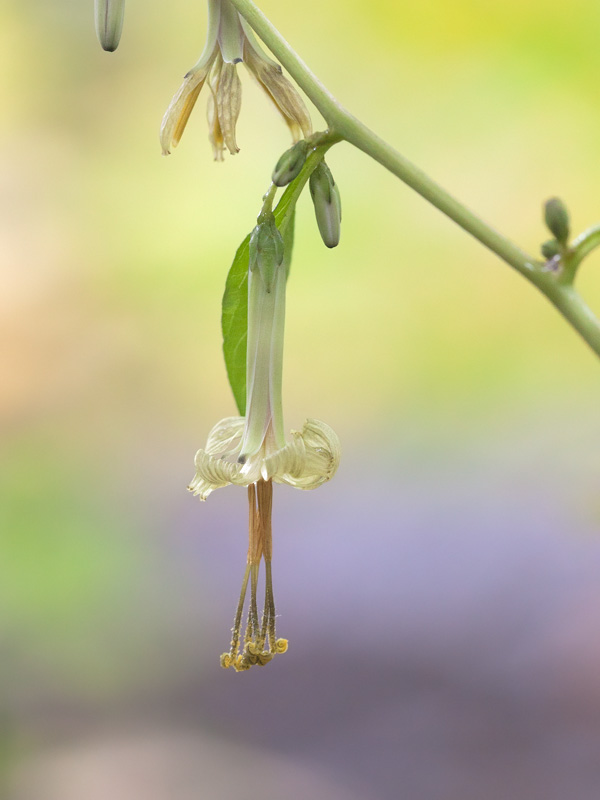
(226, 436)
(211, 473)
(217, 464)
(309, 460)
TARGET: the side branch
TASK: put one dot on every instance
(345, 126)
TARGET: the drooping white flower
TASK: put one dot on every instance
(252, 451)
(230, 41)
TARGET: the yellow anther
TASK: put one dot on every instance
(226, 660)
(253, 649)
(240, 665)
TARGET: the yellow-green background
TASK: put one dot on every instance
(441, 595)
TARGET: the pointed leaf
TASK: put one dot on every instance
(234, 323)
(234, 319)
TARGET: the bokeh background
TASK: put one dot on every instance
(442, 595)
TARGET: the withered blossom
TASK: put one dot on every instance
(230, 41)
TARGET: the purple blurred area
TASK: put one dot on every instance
(442, 618)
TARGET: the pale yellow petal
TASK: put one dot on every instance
(279, 89)
(229, 103)
(211, 473)
(180, 108)
(310, 459)
(215, 135)
(226, 436)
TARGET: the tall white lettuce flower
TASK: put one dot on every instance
(252, 451)
(230, 41)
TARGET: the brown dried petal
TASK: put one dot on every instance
(179, 110)
(281, 91)
(229, 103)
(215, 135)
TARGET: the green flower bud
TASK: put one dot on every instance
(266, 249)
(289, 165)
(556, 217)
(327, 202)
(550, 249)
(109, 22)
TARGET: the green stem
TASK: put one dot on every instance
(583, 245)
(576, 311)
(344, 125)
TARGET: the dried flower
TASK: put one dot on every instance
(230, 41)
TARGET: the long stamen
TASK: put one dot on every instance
(260, 545)
(270, 604)
(264, 492)
(253, 618)
(228, 659)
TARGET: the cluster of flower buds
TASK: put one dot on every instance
(556, 218)
(109, 22)
(328, 207)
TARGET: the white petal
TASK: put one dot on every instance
(217, 464)
(226, 437)
(211, 473)
(309, 460)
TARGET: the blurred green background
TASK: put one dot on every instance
(441, 596)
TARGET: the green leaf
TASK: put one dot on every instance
(234, 319)
(234, 323)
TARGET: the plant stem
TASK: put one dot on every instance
(583, 245)
(343, 124)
